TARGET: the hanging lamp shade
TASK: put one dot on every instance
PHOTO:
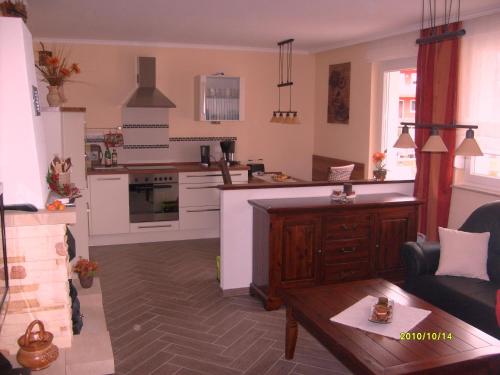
(295, 119)
(434, 143)
(289, 118)
(405, 140)
(469, 146)
(274, 118)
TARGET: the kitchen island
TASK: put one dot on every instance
(237, 219)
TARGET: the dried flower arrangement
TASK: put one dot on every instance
(55, 69)
(85, 267)
(14, 9)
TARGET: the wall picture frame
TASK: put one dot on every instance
(339, 82)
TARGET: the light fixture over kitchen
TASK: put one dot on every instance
(285, 61)
(468, 147)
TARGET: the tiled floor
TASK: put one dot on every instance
(166, 316)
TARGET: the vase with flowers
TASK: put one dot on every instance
(379, 171)
(86, 270)
(55, 70)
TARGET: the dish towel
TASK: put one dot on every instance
(403, 320)
(498, 307)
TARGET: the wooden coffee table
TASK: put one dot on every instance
(469, 350)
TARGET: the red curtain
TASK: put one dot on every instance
(436, 102)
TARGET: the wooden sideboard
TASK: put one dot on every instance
(299, 242)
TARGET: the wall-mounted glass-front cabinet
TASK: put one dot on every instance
(219, 98)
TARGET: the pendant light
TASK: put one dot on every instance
(435, 142)
(405, 140)
(285, 61)
(468, 147)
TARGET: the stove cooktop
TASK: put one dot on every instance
(162, 167)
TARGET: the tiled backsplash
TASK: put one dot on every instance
(146, 139)
(179, 149)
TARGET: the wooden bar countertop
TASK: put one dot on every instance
(322, 203)
(149, 168)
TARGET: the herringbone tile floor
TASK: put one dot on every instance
(166, 316)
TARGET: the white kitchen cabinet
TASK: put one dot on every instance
(199, 198)
(65, 137)
(212, 177)
(205, 217)
(80, 230)
(109, 204)
(220, 98)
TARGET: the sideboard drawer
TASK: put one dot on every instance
(345, 250)
(339, 272)
(347, 226)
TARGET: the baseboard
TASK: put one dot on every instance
(128, 238)
(235, 292)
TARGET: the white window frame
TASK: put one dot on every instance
(384, 67)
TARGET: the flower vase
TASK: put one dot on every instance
(62, 94)
(86, 281)
(53, 97)
(379, 174)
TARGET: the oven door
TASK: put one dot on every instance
(153, 202)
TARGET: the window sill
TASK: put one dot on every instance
(477, 189)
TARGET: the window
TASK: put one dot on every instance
(479, 100)
(413, 105)
(398, 106)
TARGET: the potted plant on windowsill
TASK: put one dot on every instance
(86, 270)
(379, 172)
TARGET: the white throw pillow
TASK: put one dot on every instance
(463, 254)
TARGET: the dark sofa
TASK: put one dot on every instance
(471, 300)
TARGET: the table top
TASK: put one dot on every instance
(369, 353)
(325, 202)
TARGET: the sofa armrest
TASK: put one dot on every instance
(420, 258)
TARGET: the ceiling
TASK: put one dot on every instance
(315, 24)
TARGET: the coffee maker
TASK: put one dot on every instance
(228, 147)
(205, 155)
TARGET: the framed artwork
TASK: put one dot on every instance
(339, 82)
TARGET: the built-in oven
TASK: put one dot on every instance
(154, 197)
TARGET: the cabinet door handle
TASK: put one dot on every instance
(344, 274)
(205, 175)
(346, 250)
(204, 210)
(154, 226)
(108, 178)
(201, 187)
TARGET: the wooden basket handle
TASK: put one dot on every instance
(30, 329)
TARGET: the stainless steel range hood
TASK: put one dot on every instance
(147, 95)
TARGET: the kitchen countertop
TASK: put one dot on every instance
(178, 167)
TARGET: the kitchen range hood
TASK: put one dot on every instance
(147, 95)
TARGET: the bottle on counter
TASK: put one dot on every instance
(114, 158)
(107, 158)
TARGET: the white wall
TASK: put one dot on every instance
(23, 156)
(236, 224)
(464, 200)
